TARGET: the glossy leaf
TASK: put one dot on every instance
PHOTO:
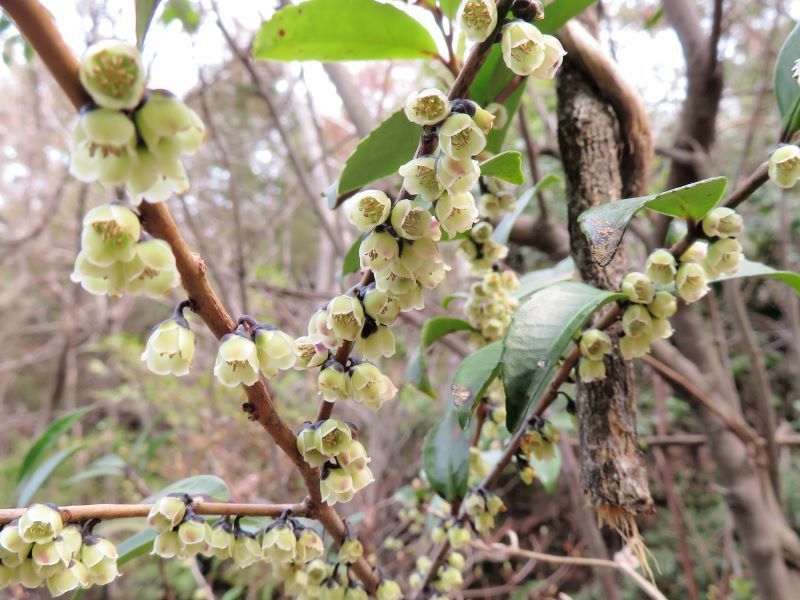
(506, 166)
(540, 331)
(450, 7)
(605, 225)
(471, 379)
(30, 485)
(352, 261)
(47, 439)
(333, 30)
(389, 146)
(787, 90)
(750, 268)
(534, 281)
(506, 224)
(445, 457)
(558, 12)
(145, 9)
(432, 330)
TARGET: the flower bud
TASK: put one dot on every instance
(368, 209)
(74, 576)
(460, 137)
(490, 206)
(333, 383)
(388, 590)
(11, 541)
(724, 256)
(39, 524)
(279, 543)
(449, 579)
(483, 119)
(380, 306)
(350, 551)
(166, 513)
(456, 212)
(723, 222)
(500, 113)
(524, 48)
(419, 178)
(459, 536)
(477, 18)
(595, 344)
(246, 550)
(378, 343)
(691, 282)
(169, 348)
(636, 321)
(638, 288)
(634, 346)
(663, 305)
(311, 352)
(784, 166)
(660, 267)
(482, 231)
(371, 387)
(591, 370)
(332, 436)
(456, 174)
(427, 107)
(222, 540)
(355, 592)
(109, 234)
(167, 544)
(410, 220)
(111, 72)
(553, 57)
(438, 535)
(378, 250)
(237, 361)
(336, 485)
(169, 127)
(275, 350)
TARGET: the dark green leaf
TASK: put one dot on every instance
(471, 379)
(506, 166)
(352, 261)
(750, 268)
(333, 30)
(389, 146)
(432, 330)
(31, 484)
(558, 12)
(605, 225)
(504, 227)
(445, 457)
(536, 280)
(47, 440)
(199, 485)
(787, 92)
(145, 9)
(537, 337)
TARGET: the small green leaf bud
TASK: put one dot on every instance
(410, 220)
(638, 288)
(388, 590)
(660, 267)
(456, 213)
(427, 107)
(591, 370)
(723, 222)
(595, 344)
(663, 305)
(111, 72)
(276, 351)
(634, 346)
(368, 209)
(279, 543)
(332, 436)
(460, 137)
(691, 282)
(39, 524)
(784, 166)
(333, 383)
(419, 178)
(477, 18)
(524, 48)
(636, 321)
(237, 361)
(350, 551)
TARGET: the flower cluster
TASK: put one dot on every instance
(539, 440)
(363, 381)
(116, 257)
(129, 136)
(480, 250)
(332, 445)
(251, 349)
(38, 548)
(448, 577)
(483, 507)
(490, 306)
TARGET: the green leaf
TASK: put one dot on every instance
(31, 484)
(352, 261)
(47, 440)
(182, 11)
(539, 333)
(110, 465)
(471, 379)
(198, 485)
(136, 545)
(445, 457)
(787, 92)
(504, 227)
(333, 30)
(506, 166)
(450, 7)
(534, 281)
(389, 146)
(558, 12)
(605, 225)
(447, 300)
(145, 9)
(750, 268)
(656, 17)
(432, 330)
